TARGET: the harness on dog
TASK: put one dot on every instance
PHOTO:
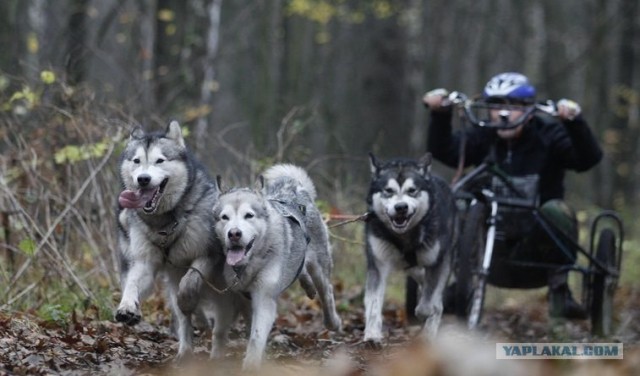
(164, 226)
(211, 285)
(166, 233)
(294, 211)
(408, 250)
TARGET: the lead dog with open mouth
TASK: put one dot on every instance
(164, 225)
(411, 226)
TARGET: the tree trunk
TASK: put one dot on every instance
(597, 80)
(148, 19)
(626, 106)
(413, 17)
(76, 43)
(37, 19)
(208, 82)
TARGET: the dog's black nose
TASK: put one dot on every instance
(144, 180)
(234, 234)
(401, 208)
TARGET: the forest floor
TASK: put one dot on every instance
(299, 346)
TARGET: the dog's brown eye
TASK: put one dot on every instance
(136, 160)
(388, 191)
(159, 160)
(412, 191)
(248, 216)
(224, 217)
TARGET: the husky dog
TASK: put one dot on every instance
(411, 226)
(164, 225)
(271, 238)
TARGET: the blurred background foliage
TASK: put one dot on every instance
(316, 82)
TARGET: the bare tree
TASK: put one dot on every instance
(148, 10)
(76, 42)
(36, 19)
(208, 83)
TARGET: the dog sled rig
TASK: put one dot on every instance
(481, 206)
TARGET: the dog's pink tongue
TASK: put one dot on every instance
(135, 199)
(234, 256)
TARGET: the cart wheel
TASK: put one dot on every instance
(470, 283)
(603, 285)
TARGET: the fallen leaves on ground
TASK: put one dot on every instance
(299, 345)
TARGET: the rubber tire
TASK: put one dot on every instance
(602, 294)
(470, 253)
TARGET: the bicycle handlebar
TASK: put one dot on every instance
(461, 100)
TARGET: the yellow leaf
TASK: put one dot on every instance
(26, 94)
(72, 153)
(300, 7)
(59, 157)
(32, 43)
(16, 96)
(382, 9)
(48, 77)
(166, 15)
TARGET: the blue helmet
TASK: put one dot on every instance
(512, 86)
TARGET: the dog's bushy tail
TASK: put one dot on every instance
(293, 172)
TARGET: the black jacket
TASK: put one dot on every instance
(547, 147)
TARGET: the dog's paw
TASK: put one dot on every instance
(372, 340)
(216, 353)
(183, 357)
(425, 311)
(128, 316)
(372, 344)
(333, 323)
(251, 364)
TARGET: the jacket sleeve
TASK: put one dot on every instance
(445, 145)
(440, 142)
(581, 151)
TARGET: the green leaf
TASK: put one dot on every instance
(28, 246)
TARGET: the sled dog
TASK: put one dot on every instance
(272, 236)
(164, 225)
(411, 226)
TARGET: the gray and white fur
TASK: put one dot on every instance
(164, 226)
(271, 237)
(411, 226)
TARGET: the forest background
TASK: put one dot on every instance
(319, 83)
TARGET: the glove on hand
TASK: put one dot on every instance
(436, 99)
(568, 109)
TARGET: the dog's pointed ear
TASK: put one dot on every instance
(219, 182)
(373, 164)
(424, 164)
(137, 133)
(174, 132)
(216, 211)
(259, 184)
